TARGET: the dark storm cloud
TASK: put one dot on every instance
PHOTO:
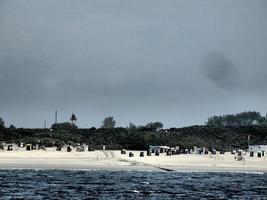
(220, 70)
(139, 61)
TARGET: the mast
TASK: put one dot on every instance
(56, 117)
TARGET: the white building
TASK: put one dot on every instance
(257, 150)
(160, 149)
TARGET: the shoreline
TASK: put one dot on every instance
(138, 169)
(114, 161)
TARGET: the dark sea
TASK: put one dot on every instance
(74, 184)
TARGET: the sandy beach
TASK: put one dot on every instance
(114, 160)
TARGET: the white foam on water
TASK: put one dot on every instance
(258, 173)
(135, 191)
(146, 183)
(215, 171)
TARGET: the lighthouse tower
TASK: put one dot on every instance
(73, 119)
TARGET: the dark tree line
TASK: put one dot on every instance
(64, 126)
(240, 119)
(2, 123)
(223, 132)
(223, 137)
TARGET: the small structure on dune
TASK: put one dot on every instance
(205, 150)
(123, 151)
(234, 151)
(90, 148)
(186, 151)
(28, 147)
(176, 150)
(34, 147)
(10, 147)
(197, 150)
(42, 148)
(69, 149)
(80, 149)
(169, 152)
(240, 155)
(257, 150)
(160, 149)
(213, 151)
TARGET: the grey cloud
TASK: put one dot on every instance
(220, 70)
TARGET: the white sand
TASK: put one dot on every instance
(193, 162)
(113, 160)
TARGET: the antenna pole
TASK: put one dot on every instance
(56, 117)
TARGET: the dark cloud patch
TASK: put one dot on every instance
(220, 70)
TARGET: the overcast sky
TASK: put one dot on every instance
(174, 61)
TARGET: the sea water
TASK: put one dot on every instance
(75, 184)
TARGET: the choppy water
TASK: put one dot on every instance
(60, 184)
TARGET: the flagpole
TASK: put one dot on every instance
(248, 141)
(56, 116)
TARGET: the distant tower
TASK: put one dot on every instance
(73, 119)
(56, 117)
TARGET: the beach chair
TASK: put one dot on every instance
(90, 149)
(69, 149)
(169, 153)
(28, 147)
(9, 148)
